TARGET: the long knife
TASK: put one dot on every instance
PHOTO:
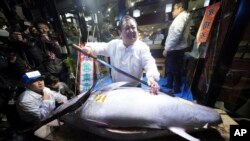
(112, 67)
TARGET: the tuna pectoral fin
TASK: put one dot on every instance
(182, 133)
(113, 86)
(99, 123)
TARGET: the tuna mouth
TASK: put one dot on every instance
(134, 130)
(123, 130)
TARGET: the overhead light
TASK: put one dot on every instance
(136, 13)
(168, 8)
(68, 20)
(206, 3)
(95, 18)
(69, 15)
(117, 23)
(88, 18)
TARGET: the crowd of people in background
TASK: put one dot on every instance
(30, 47)
(27, 47)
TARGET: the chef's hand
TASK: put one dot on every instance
(86, 50)
(154, 86)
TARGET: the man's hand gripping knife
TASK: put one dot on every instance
(154, 85)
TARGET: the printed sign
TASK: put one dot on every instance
(86, 73)
(207, 23)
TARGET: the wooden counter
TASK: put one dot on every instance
(156, 51)
(156, 46)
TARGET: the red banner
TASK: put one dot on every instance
(207, 23)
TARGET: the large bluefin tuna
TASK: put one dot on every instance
(111, 111)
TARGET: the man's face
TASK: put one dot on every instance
(43, 29)
(129, 32)
(176, 11)
(33, 30)
(37, 86)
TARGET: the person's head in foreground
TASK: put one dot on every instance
(34, 81)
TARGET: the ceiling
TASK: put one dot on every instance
(109, 9)
(145, 6)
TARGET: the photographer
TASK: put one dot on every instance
(51, 51)
(20, 60)
(25, 54)
(22, 32)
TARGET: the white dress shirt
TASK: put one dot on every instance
(175, 39)
(32, 108)
(133, 59)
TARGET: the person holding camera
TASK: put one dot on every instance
(51, 51)
(20, 55)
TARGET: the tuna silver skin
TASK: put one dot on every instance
(131, 113)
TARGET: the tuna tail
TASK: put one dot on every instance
(181, 132)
